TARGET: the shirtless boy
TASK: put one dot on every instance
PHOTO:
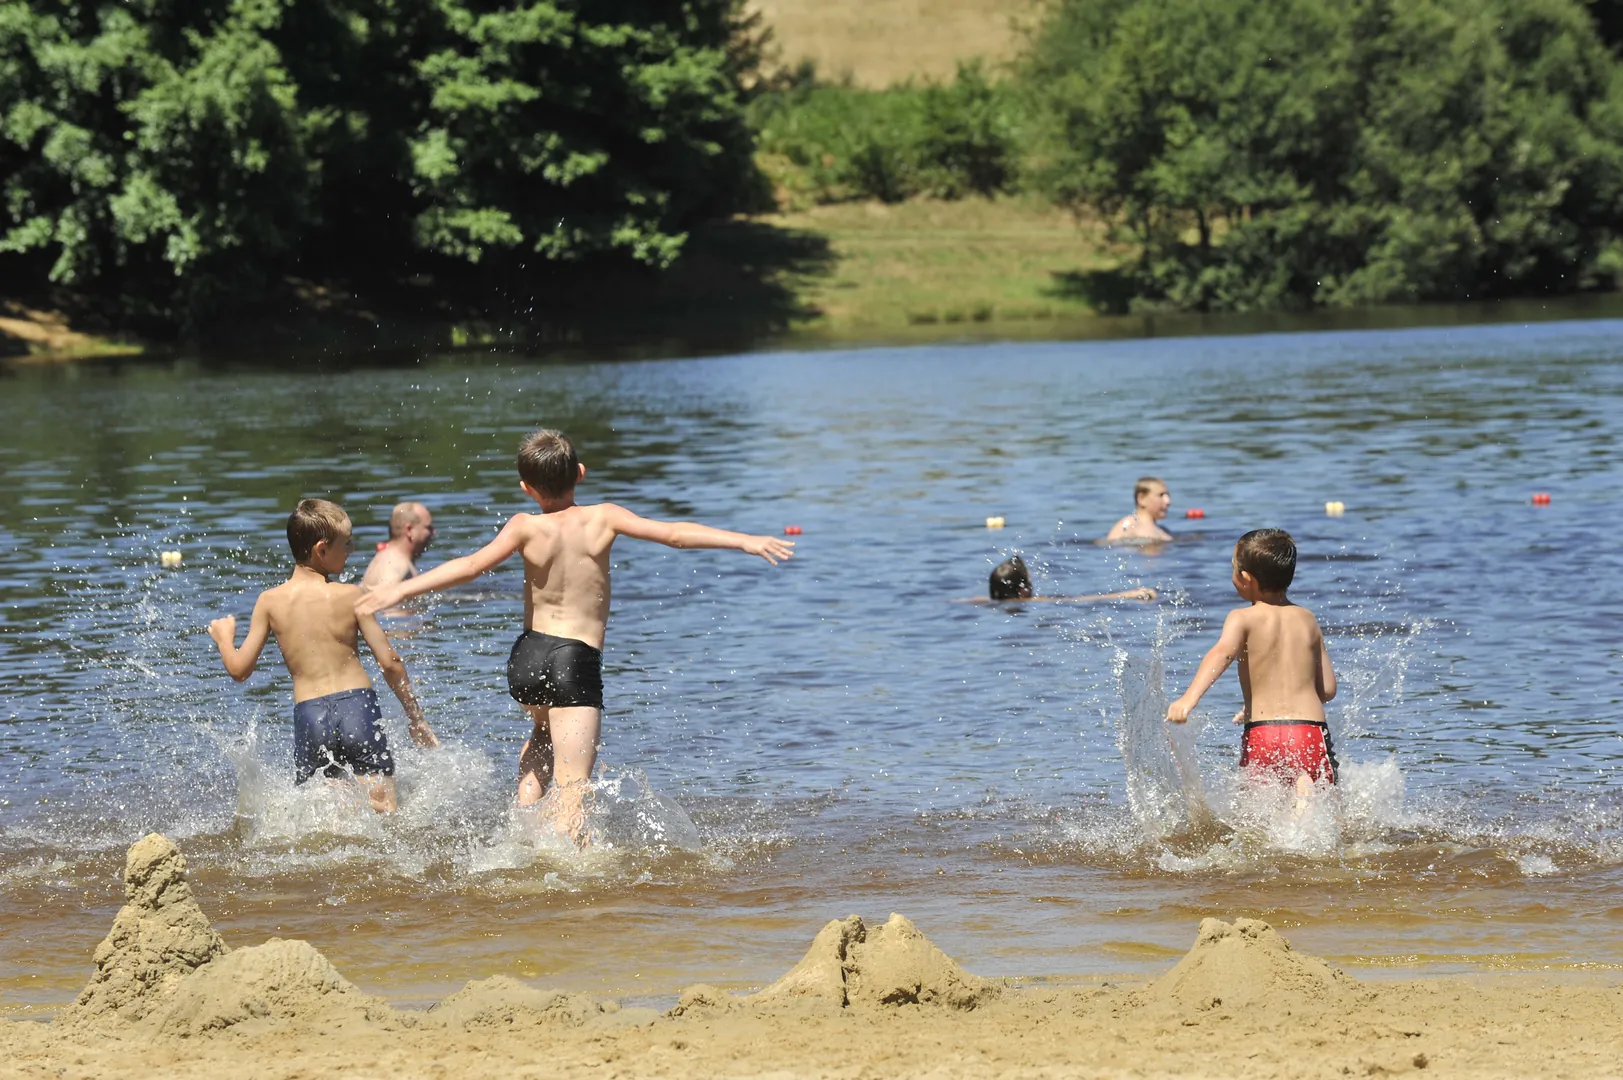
(335, 709)
(1285, 672)
(1143, 526)
(556, 667)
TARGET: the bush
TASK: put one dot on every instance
(1276, 153)
(842, 143)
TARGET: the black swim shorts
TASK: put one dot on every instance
(340, 732)
(556, 672)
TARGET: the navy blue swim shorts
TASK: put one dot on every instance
(340, 733)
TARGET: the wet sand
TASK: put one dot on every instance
(169, 997)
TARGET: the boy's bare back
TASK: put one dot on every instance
(1282, 661)
(316, 629)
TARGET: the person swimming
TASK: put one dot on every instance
(1010, 582)
(1143, 526)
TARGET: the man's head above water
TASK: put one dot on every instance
(1010, 580)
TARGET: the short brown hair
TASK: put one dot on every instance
(1269, 556)
(547, 462)
(313, 521)
(1142, 488)
(1010, 580)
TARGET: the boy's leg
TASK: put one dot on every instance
(574, 735)
(535, 760)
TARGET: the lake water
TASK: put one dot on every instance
(784, 746)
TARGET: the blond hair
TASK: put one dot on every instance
(313, 521)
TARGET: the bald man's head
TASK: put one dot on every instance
(412, 521)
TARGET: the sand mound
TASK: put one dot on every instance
(279, 980)
(159, 937)
(1237, 966)
(851, 966)
(499, 1002)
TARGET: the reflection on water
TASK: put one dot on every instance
(785, 746)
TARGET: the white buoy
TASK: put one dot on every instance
(170, 558)
(1335, 509)
(994, 523)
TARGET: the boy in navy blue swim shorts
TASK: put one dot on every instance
(336, 719)
(555, 669)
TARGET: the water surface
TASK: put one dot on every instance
(837, 735)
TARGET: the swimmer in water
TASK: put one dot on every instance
(1285, 671)
(1150, 502)
(555, 670)
(411, 530)
(336, 717)
(1011, 582)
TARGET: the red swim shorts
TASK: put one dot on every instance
(1288, 747)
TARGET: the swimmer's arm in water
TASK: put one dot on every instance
(1145, 593)
(239, 663)
(1325, 677)
(452, 572)
(394, 673)
(1229, 646)
(686, 534)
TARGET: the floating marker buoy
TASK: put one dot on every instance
(1194, 512)
(382, 544)
(994, 523)
(1335, 509)
(1541, 498)
(170, 558)
(791, 530)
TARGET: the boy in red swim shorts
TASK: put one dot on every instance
(1285, 672)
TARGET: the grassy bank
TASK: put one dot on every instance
(914, 265)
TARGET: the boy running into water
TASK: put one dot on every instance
(1285, 672)
(335, 709)
(556, 667)
(1150, 502)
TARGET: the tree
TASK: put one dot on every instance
(1292, 152)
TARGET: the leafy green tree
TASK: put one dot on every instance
(1290, 152)
(186, 154)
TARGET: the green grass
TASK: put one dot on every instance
(925, 264)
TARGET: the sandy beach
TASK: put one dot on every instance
(168, 997)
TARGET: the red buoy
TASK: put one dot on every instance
(791, 530)
(382, 544)
(1541, 498)
(1194, 512)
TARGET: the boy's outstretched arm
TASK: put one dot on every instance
(453, 572)
(239, 663)
(684, 534)
(1216, 661)
(394, 673)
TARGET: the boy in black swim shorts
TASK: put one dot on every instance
(556, 667)
(336, 719)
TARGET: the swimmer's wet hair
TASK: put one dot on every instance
(1269, 556)
(313, 521)
(1009, 580)
(547, 462)
(1142, 488)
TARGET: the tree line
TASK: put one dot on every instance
(185, 157)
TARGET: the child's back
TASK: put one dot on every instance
(317, 630)
(1285, 671)
(566, 571)
(336, 718)
(1279, 665)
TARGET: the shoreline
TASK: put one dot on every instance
(51, 344)
(169, 998)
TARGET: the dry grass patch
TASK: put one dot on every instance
(881, 42)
